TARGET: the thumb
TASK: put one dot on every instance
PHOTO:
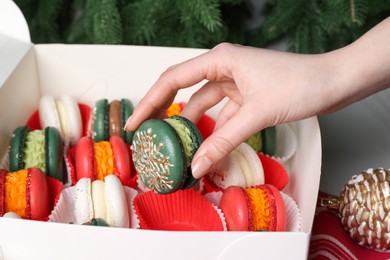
(223, 141)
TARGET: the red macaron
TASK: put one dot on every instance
(259, 208)
(24, 192)
(95, 160)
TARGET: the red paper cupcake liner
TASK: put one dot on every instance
(274, 172)
(55, 187)
(206, 126)
(184, 210)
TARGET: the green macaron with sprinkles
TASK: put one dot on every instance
(43, 149)
(162, 151)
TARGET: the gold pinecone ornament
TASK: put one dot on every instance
(364, 208)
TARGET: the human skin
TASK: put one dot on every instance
(266, 87)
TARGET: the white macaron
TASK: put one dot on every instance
(63, 114)
(242, 167)
(98, 199)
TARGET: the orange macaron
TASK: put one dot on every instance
(24, 192)
(259, 208)
(96, 160)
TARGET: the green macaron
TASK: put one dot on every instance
(269, 140)
(42, 149)
(100, 121)
(109, 118)
(97, 222)
(163, 151)
(264, 141)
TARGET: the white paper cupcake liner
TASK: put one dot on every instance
(286, 143)
(67, 166)
(293, 214)
(4, 163)
(64, 210)
(214, 197)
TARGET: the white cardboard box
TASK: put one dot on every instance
(91, 72)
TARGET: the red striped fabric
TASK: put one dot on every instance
(330, 240)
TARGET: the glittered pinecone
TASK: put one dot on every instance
(364, 208)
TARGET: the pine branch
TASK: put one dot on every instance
(284, 16)
(357, 12)
(205, 11)
(103, 22)
(48, 11)
(140, 20)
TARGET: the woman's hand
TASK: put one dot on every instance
(264, 88)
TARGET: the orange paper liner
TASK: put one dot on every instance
(65, 207)
(184, 210)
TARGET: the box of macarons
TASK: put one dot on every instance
(75, 185)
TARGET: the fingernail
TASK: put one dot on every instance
(127, 123)
(201, 166)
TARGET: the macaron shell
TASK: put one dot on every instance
(98, 195)
(83, 207)
(2, 182)
(158, 156)
(269, 140)
(254, 173)
(277, 208)
(244, 166)
(228, 173)
(73, 116)
(197, 140)
(190, 180)
(99, 222)
(115, 125)
(206, 124)
(37, 194)
(195, 135)
(48, 114)
(84, 159)
(127, 109)
(100, 121)
(11, 215)
(234, 206)
(16, 148)
(117, 209)
(121, 158)
(54, 154)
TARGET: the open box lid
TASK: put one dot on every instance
(14, 38)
